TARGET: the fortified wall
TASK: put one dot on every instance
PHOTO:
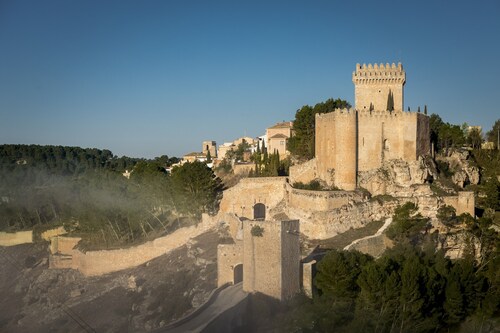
(253, 197)
(64, 255)
(349, 141)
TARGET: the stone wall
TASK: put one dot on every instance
(351, 141)
(290, 258)
(22, 237)
(228, 256)
(335, 149)
(47, 235)
(63, 245)
(107, 261)
(304, 172)
(15, 238)
(320, 200)
(464, 202)
(308, 273)
(243, 169)
(241, 198)
(272, 261)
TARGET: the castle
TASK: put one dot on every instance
(352, 141)
(375, 145)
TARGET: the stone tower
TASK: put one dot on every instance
(271, 261)
(209, 146)
(373, 84)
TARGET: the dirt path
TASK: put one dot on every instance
(379, 232)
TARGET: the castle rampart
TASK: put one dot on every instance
(320, 200)
(241, 199)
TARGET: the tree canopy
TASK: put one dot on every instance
(85, 190)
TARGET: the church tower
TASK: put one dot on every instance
(375, 85)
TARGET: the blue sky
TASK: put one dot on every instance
(148, 78)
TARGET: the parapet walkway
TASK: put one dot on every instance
(220, 302)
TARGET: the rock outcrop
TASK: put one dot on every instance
(397, 176)
(464, 173)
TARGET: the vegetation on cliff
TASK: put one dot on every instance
(84, 189)
(413, 287)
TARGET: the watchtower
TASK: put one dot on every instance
(375, 85)
(209, 146)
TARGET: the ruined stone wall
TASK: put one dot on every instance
(272, 261)
(15, 238)
(464, 202)
(228, 256)
(372, 84)
(107, 261)
(320, 200)
(47, 235)
(243, 169)
(304, 172)
(241, 198)
(23, 237)
(63, 245)
(308, 273)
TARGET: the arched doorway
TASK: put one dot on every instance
(259, 212)
(237, 273)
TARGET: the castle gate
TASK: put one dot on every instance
(238, 273)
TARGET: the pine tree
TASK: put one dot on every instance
(425, 109)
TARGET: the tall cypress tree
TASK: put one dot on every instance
(390, 101)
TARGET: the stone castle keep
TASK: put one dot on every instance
(352, 141)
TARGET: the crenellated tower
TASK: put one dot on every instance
(373, 85)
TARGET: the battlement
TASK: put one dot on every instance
(375, 74)
(338, 113)
(387, 114)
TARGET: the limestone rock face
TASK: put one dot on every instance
(463, 172)
(398, 175)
